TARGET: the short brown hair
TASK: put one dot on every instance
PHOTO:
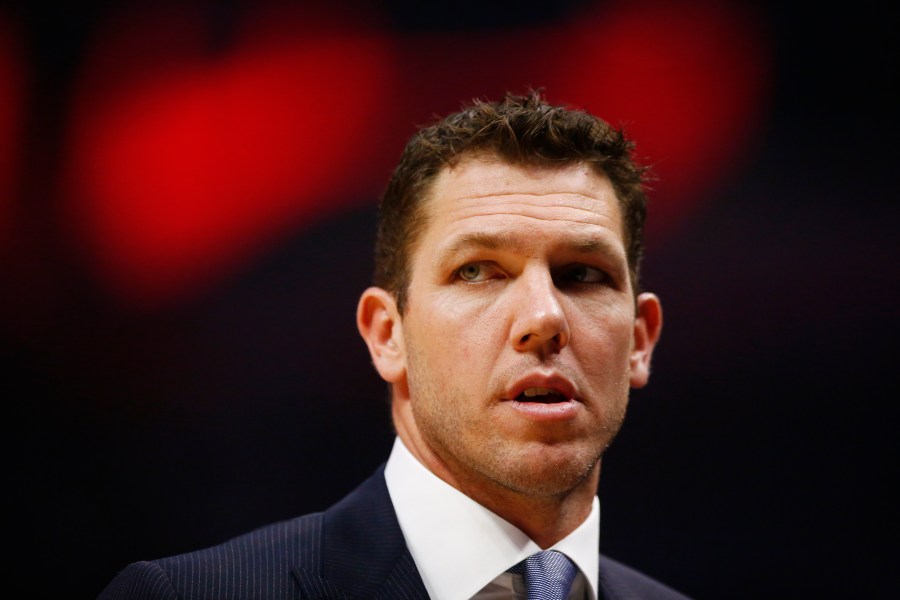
(520, 130)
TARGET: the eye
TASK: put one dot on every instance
(475, 272)
(584, 274)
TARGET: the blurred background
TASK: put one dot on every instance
(187, 204)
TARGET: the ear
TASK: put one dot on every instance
(380, 326)
(647, 327)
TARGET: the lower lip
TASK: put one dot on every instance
(539, 411)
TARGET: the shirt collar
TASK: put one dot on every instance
(460, 546)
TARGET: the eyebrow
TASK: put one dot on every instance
(478, 239)
(503, 240)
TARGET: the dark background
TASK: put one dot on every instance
(165, 393)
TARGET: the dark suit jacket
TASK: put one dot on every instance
(355, 549)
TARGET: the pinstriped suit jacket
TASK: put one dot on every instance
(353, 550)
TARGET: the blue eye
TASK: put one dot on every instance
(470, 272)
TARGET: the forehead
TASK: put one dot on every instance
(484, 174)
(483, 191)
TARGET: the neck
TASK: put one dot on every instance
(546, 518)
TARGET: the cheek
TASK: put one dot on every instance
(603, 346)
(468, 325)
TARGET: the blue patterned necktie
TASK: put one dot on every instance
(548, 575)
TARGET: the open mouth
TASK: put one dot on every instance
(541, 395)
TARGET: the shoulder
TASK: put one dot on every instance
(262, 559)
(359, 536)
(618, 581)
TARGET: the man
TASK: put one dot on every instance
(508, 323)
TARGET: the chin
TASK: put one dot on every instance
(548, 472)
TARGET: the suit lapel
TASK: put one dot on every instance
(363, 553)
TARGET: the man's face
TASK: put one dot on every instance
(518, 340)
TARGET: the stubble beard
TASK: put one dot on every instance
(477, 453)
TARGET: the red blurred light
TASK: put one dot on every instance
(11, 93)
(688, 81)
(184, 163)
(182, 173)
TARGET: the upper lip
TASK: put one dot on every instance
(552, 381)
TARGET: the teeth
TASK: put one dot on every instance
(539, 391)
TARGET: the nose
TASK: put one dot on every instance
(539, 321)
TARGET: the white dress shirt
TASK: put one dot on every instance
(462, 550)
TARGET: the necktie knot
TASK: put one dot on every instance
(548, 575)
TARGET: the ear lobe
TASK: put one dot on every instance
(647, 328)
(380, 326)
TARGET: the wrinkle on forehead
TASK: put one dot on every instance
(595, 213)
(487, 176)
(535, 194)
(507, 199)
(484, 186)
